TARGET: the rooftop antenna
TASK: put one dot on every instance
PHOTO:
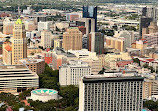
(19, 11)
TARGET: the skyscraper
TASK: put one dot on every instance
(72, 39)
(19, 42)
(110, 93)
(148, 15)
(90, 12)
(96, 42)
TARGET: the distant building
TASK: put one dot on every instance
(43, 26)
(57, 43)
(96, 42)
(46, 39)
(69, 74)
(72, 16)
(82, 29)
(28, 11)
(152, 28)
(112, 60)
(59, 57)
(148, 15)
(30, 26)
(35, 65)
(151, 39)
(90, 12)
(110, 93)
(89, 23)
(72, 39)
(17, 78)
(90, 58)
(8, 26)
(116, 43)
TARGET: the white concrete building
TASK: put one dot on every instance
(69, 74)
(43, 26)
(17, 78)
(112, 93)
(46, 39)
(89, 57)
(44, 95)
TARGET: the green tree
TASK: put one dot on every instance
(145, 65)
(150, 105)
(136, 60)
(69, 93)
(70, 108)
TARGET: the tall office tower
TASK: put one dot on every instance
(46, 39)
(96, 42)
(70, 74)
(19, 42)
(89, 23)
(148, 15)
(72, 39)
(90, 12)
(110, 93)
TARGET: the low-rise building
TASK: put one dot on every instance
(35, 65)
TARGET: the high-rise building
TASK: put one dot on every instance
(72, 39)
(96, 42)
(110, 93)
(19, 42)
(148, 15)
(89, 23)
(90, 12)
(46, 39)
(69, 74)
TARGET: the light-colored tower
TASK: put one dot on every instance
(46, 39)
(72, 39)
(19, 43)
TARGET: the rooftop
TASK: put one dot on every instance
(116, 78)
(44, 92)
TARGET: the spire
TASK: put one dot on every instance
(18, 21)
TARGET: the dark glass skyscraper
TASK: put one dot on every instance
(148, 15)
(90, 12)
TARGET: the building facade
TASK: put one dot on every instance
(46, 39)
(69, 74)
(96, 42)
(72, 39)
(19, 42)
(100, 93)
(35, 65)
(17, 78)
